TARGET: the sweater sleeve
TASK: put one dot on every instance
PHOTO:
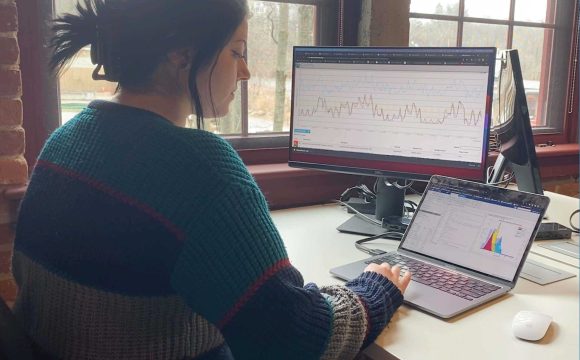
(234, 271)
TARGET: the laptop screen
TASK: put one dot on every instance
(479, 227)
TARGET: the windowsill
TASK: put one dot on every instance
(285, 186)
(559, 150)
(290, 187)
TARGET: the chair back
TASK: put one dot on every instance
(14, 342)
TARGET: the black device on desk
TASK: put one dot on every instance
(398, 114)
(553, 231)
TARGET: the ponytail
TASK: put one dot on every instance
(72, 32)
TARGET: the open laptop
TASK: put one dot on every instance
(465, 246)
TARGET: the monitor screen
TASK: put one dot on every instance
(392, 112)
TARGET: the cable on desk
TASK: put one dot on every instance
(574, 227)
(359, 214)
(416, 192)
(393, 235)
(408, 184)
(407, 212)
(505, 181)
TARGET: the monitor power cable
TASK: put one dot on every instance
(505, 181)
(396, 184)
(393, 235)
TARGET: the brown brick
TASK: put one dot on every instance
(8, 214)
(13, 171)
(5, 260)
(12, 142)
(6, 235)
(10, 83)
(10, 112)
(8, 18)
(8, 290)
(9, 50)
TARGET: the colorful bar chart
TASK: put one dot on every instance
(493, 242)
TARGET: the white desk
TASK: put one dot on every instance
(314, 246)
(559, 211)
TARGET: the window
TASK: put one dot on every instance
(540, 29)
(262, 105)
(283, 186)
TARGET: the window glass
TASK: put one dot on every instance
(475, 34)
(427, 32)
(488, 9)
(530, 43)
(531, 10)
(274, 29)
(443, 7)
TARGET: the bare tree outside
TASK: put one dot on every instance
(281, 54)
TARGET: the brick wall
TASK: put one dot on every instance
(13, 167)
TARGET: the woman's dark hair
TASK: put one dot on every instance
(130, 38)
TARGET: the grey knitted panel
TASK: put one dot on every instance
(349, 323)
(73, 321)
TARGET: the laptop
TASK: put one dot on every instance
(465, 245)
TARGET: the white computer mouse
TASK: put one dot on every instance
(530, 325)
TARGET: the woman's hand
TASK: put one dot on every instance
(392, 274)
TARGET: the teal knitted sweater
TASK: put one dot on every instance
(139, 239)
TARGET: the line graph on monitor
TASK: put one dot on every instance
(441, 111)
(456, 112)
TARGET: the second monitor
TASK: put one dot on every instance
(393, 113)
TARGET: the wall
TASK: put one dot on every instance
(13, 167)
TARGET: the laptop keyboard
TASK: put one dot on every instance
(438, 278)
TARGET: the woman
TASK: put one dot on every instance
(140, 238)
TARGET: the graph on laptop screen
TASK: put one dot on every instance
(393, 113)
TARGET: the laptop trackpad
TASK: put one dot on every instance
(435, 301)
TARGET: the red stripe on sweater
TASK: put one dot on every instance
(284, 263)
(180, 235)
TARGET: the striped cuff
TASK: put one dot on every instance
(349, 323)
(381, 299)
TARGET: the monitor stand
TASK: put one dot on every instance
(527, 175)
(389, 206)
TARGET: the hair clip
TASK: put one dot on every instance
(105, 55)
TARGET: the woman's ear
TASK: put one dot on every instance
(181, 58)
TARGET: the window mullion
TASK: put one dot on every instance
(574, 62)
(460, 22)
(510, 34)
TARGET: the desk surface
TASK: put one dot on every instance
(314, 246)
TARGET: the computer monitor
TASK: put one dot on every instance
(393, 113)
(511, 125)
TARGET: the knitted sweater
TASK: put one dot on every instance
(139, 239)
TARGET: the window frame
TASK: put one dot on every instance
(543, 134)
